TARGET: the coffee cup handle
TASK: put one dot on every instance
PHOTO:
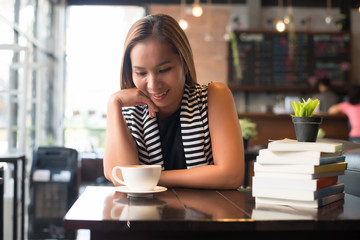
(115, 177)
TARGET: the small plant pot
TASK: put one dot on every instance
(306, 128)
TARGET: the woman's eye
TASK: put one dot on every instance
(165, 70)
(140, 73)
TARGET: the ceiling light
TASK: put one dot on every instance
(183, 24)
(280, 26)
(197, 10)
(328, 19)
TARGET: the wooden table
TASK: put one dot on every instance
(195, 214)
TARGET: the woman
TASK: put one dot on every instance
(162, 116)
(351, 109)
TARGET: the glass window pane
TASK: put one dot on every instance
(95, 39)
(6, 16)
(4, 113)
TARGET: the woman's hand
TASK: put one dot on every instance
(132, 97)
(120, 146)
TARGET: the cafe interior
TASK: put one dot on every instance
(60, 61)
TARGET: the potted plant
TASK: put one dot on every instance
(248, 130)
(306, 124)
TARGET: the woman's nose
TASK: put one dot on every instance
(153, 81)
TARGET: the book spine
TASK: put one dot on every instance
(329, 190)
(293, 194)
(299, 160)
(298, 203)
(292, 145)
(299, 184)
(298, 175)
(307, 169)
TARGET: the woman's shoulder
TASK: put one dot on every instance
(212, 86)
(218, 86)
(347, 104)
(218, 89)
(346, 107)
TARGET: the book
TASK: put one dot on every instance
(298, 154)
(298, 210)
(301, 184)
(291, 168)
(295, 194)
(317, 203)
(298, 157)
(293, 145)
(286, 176)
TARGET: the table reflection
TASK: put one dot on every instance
(137, 209)
(172, 204)
(209, 203)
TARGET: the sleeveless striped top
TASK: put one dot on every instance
(194, 129)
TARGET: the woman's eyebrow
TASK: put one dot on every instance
(160, 64)
(163, 63)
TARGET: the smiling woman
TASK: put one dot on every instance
(162, 116)
(158, 72)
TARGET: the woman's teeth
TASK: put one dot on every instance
(159, 95)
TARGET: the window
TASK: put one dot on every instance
(26, 51)
(95, 39)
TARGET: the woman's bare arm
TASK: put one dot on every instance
(120, 146)
(334, 109)
(227, 147)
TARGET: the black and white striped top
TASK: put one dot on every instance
(194, 129)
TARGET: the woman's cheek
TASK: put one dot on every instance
(141, 85)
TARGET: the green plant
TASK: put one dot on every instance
(248, 128)
(305, 109)
(321, 133)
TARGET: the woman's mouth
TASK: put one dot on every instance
(160, 96)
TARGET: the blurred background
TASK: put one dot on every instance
(60, 61)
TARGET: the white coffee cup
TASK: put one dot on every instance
(139, 177)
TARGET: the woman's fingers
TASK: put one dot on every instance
(133, 96)
(145, 100)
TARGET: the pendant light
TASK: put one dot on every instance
(328, 17)
(197, 10)
(208, 36)
(280, 25)
(182, 22)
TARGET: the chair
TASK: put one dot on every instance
(54, 188)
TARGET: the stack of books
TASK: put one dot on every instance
(301, 174)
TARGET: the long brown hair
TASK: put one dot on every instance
(164, 28)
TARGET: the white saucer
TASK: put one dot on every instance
(131, 193)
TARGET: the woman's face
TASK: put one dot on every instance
(157, 72)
